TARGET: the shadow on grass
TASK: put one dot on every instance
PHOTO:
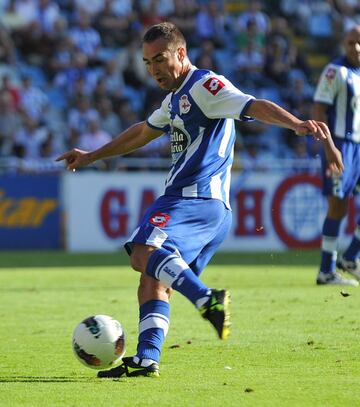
(62, 259)
(43, 379)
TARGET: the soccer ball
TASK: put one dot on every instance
(99, 342)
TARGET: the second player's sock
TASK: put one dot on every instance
(353, 250)
(329, 245)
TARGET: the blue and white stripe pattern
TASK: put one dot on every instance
(339, 87)
(200, 119)
(154, 320)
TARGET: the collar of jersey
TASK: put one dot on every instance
(192, 69)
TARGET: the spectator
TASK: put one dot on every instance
(8, 87)
(210, 24)
(254, 14)
(10, 122)
(33, 101)
(108, 120)
(29, 138)
(115, 29)
(85, 38)
(249, 66)
(95, 137)
(81, 115)
(206, 57)
(183, 16)
(7, 48)
(67, 78)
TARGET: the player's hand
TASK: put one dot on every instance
(75, 158)
(334, 159)
(319, 130)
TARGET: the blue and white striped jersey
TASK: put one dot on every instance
(199, 117)
(339, 87)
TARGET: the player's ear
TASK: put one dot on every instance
(181, 54)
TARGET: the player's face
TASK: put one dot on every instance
(352, 47)
(164, 64)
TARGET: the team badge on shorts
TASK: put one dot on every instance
(184, 104)
(159, 219)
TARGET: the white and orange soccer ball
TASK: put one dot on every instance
(99, 342)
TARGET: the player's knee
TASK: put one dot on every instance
(136, 262)
(337, 208)
(139, 257)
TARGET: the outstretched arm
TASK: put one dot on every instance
(271, 113)
(129, 140)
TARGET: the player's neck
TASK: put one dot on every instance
(187, 66)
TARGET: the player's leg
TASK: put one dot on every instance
(195, 224)
(350, 261)
(337, 209)
(154, 313)
(216, 309)
(337, 188)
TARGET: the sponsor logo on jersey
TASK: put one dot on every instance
(159, 219)
(178, 143)
(213, 85)
(184, 104)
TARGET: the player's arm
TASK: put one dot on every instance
(271, 113)
(129, 140)
(320, 113)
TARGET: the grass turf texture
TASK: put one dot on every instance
(292, 343)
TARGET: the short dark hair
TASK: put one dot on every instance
(166, 30)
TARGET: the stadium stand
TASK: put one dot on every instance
(57, 56)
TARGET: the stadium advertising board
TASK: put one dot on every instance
(29, 212)
(272, 210)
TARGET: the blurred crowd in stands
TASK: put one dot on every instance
(72, 75)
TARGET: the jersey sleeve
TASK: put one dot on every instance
(160, 118)
(327, 87)
(218, 98)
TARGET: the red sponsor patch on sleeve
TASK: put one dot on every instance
(159, 219)
(213, 85)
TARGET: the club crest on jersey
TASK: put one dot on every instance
(184, 104)
(330, 74)
(159, 219)
(213, 85)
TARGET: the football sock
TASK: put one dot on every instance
(171, 269)
(330, 235)
(153, 327)
(353, 250)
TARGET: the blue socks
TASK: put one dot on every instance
(170, 268)
(153, 327)
(330, 233)
(353, 250)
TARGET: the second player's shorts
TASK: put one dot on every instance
(348, 183)
(195, 227)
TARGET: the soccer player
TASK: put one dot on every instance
(180, 232)
(337, 102)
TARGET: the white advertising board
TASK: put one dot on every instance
(271, 211)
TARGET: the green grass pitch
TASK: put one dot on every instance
(292, 343)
